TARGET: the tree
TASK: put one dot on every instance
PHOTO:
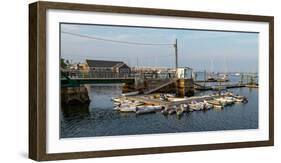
(62, 63)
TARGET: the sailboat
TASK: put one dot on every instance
(223, 77)
(211, 75)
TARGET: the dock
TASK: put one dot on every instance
(150, 101)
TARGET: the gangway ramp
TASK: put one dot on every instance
(160, 86)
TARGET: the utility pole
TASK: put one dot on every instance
(205, 78)
(138, 62)
(176, 56)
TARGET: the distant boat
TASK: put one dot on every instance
(237, 74)
(218, 78)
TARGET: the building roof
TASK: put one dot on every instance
(186, 68)
(101, 63)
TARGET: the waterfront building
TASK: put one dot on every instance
(108, 66)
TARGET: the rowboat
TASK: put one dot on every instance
(229, 100)
(147, 109)
(222, 101)
(215, 103)
(130, 93)
(242, 99)
(171, 110)
(116, 108)
(116, 104)
(196, 105)
(207, 105)
(218, 106)
(127, 109)
(165, 112)
(179, 111)
(116, 100)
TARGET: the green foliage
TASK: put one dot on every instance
(63, 63)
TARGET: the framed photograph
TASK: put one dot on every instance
(112, 81)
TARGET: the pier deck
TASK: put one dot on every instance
(168, 103)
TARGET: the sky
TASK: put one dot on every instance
(201, 50)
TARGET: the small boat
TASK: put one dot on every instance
(117, 108)
(190, 109)
(196, 106)
(165, 112)
(208, 105)
(145, 110)
(222, 101)
(229, 100)
(215, 103)
(184, 107)
(179, 111)
(116, 99)
(137, 103)
(242, 99)
(218, 106)
(127, 109)
(237, 74)
(171, 110)
(228, 94)
(117, 104)
(130, 93)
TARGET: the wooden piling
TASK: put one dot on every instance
(180, 87)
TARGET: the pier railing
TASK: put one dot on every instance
(117, 75)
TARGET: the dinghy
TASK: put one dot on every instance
(171, 110)
(179, 111)
(215, 103)
(130, 93)
(127, 109)
(196, 106)
(165, 112)
(207, 105)
(146, 109)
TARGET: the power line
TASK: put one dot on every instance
(116, 41)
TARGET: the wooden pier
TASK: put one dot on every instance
(149, 101)
(217, 87)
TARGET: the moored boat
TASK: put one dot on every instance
(215, 103)
(171, 110)
(196, 106)
(127, 109)
(147, 109)
(180, 110)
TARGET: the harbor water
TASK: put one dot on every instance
(99, 118)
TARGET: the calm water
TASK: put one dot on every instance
(100, 120)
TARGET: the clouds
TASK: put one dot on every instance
(195, 47)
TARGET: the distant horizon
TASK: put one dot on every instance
(215, 51)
